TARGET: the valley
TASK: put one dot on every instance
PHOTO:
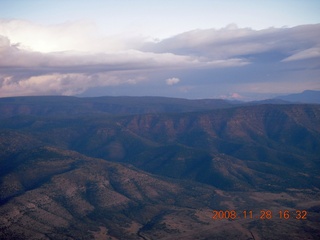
(156, 168)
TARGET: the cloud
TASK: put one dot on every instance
(63, 84)
(233, 96)
(72, 57)
(81, 36)
(66, 84)
(27, 72)
(234, 42)
(172, 81)
(304, 54)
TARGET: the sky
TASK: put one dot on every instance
(243, 50)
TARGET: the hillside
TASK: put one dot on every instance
(138, 174)
(260, 147)
(308, 96)
(52, 193)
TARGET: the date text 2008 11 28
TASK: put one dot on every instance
(262, 214)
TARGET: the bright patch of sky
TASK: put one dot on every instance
(161, 19)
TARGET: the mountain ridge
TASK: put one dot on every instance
(142, 174)
(44, 105)
(63, 105)
(307, 96)
(245, 133)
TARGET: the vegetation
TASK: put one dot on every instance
(155, 168)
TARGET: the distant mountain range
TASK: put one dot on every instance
(64, 105)
(307, 96)
(155, 168)
(71, 106)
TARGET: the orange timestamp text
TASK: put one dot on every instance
(262, 214)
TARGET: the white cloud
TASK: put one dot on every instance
(305, 54)
(233, 96)
(172, 81)
(62, 84)
(234, 42)
(72, 57)
(70, 36)
(32, 72)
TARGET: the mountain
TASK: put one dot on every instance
(261, 147)
(52, 193)
(308, 96)
(80, 171)
(65, 106)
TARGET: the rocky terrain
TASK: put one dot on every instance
(100, 168)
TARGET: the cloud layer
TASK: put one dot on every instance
(71, 58)
(234, 42)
